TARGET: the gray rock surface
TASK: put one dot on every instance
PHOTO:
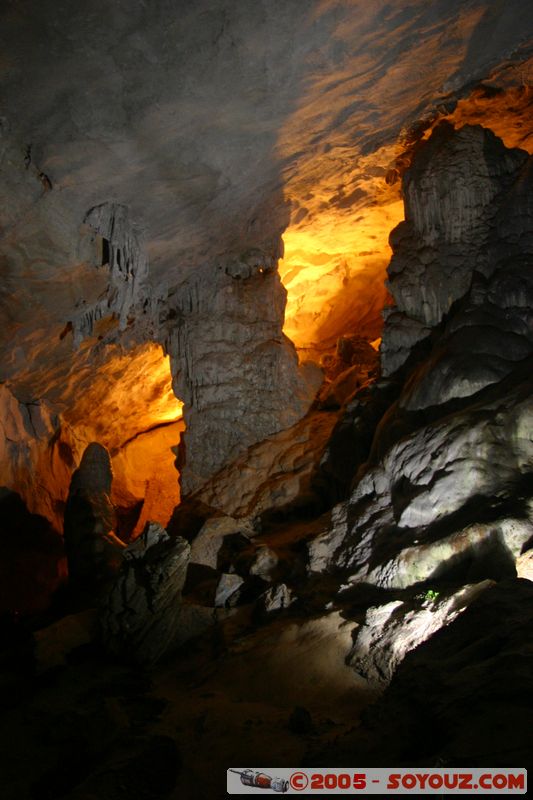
(465, 239)
(432, 485)
(277, 598)
(206, 547)
(458, 698)
(227, 588)
(233, 368)
(449, 486)
(140, 617)
(392, 630)
(273, 476)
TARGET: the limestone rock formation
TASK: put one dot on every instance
(432, 500)
(228, 589)
(233, 367)
(207, 547)
(275, 599)
(458, 698)
(94, 552)
(140, 616)
(392, 630)
(273, 476)
(431, 487)
(156, 162)
(459, 260)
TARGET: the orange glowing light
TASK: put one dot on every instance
(334, 267)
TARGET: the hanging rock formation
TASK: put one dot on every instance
(232, 366)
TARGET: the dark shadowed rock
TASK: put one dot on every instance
(300, 721)
(460, 698)
(140, 616)
(93, 550)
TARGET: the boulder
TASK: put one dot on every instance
(228, 589)
(140, 616)
(207, 546)
(277, 598)
(459, 697)
(390, 631)
(264, 563)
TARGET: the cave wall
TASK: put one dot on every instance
(146, 184)
(446, 491)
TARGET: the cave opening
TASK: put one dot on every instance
(105, 250)
(127, 405)
(140, 423)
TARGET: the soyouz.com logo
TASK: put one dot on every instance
(246, 780)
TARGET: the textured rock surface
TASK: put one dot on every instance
(140, 616)
(391, 631)
(460, 697)
(94, 552)
(275, 599)
(233, 367)
(275, 475)
(151, 160)
(207, 547)
(41, 441)
(431, 499)
(430, 486)
(466, 234)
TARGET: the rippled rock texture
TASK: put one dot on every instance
(442, 504)
(140, 615)
(460, 265)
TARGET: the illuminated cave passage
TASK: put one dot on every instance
(127, 405)
(266, 396)
(336, 248)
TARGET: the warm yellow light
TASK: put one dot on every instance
(334, 273)
(130, 392)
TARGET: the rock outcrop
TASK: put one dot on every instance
(94, 552)
(140, 616)
(447, 480)
(441, 507)
(278, 475)
(392, 630)
(459, 267)
(460, 697)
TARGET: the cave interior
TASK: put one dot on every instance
(266, 394)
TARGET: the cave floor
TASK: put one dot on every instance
(93, 728)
